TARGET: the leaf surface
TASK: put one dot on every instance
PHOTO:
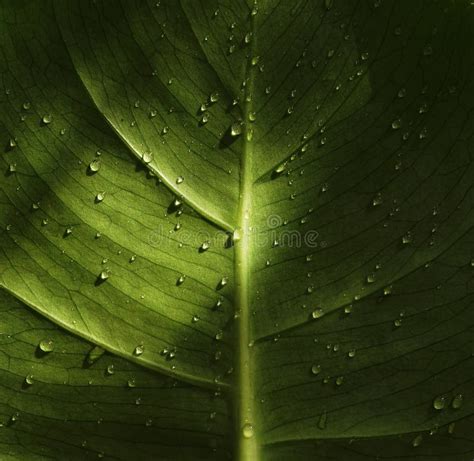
(333, 140)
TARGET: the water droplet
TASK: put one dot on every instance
(457, 401)
(181, 279)
(95, 354)
(94, 166)
(377, 200)
(323, 420)
(179, 180)
(29, 380)
(110, 369)
(204, 118)
(223, 282)
(147, 157)
(351, 354)
(316, 369)
(46, 345)
(280, 168)
(396, 124)
(370, 278)
(317, 313)
(416, 442)
(219, 335)
(204, 246)
(397, 323)
(100, 197)
(47, 119)
(105, 274)
(247, 431)
(139, 350)
(407, 238)
(131, 382)
(236, 129)
(439, 403)
(339, 380)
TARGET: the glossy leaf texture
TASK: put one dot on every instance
(261, 214)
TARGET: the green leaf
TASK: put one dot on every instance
(269, 202)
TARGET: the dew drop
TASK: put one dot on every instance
(110, 369)
(94, 166)
(46, 345)
(100, 197)
(377, 200)
(317, 313)
(139, 350)
(439, 403)
(457, 401)
(316, 369)
(396, 124)
(29, 380)
(416, 442)
(105, 274)
(204, 246)
(147, 157)
(247, 431)
(47, 119)
(236, 129)
(323, 420)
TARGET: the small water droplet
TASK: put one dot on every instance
(147, 157)
(457, 401)
(416, 442)
(397, 124)
(100, 197)
(316, 369)
(47, 119)
(377, 200)
(139, 350)
(94, 166)
(236, 129)
(323, 420)
(29, 380)
(105, 274)
(110, 369)
(439, 403)
(317, 313)
(46, 345)
(247, 431)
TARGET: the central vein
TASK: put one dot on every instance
(246, 424)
